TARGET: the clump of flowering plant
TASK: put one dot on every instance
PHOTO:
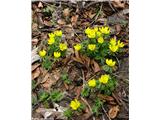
(55, 49)
(104, 84)
(99, 45)
(75, 106)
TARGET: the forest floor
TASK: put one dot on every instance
(73, 18)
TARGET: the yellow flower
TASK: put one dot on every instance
(57, 54)
(42, 53)
(112, 42)
(51, 35)
(91, 34)
(92, 83)
(91, 47)
(99, 34)
(58, 33)
(104, 78)
(77, 47)
(75, 104)
(51, 41)
(100, 40)
(120, 44)
(87, 31)
(113, 48)
(110, 62)
(96, 29)
(62, 46)
(104, 30)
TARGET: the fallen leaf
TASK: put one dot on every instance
(45, 78)
(66, 12)
(78, 91)
(48, 83)
(95, 66)
(74, 20)
(34, 41)
(61, 22)
(47, 23)
(105, 97)
(35, 73)
(40, 5)
(35, 66)
(118, 28)
(118, 3)
(113, 112)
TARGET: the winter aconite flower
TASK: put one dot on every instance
(113, 48)
(51, 40)
(62, 46)
(75, 104)
(58, 33)
(57, 54)
(92, 83)
(42, 53)
(104, 78)
(90, 33)
(92, 47)
(77, 47)
(99, 34)
(110, 62)
(120, 44)
(112, 42)
(96, 29)
(104, 30)
(51, 35)
(100, 40)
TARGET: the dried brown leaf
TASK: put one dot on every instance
(95, 66)
(74, 20)
(34, 41)
(66, 12)
(34, 66)
(36, 73)
(61, 22)
(45, 78)
(40, 5)
(118, 3)
(113, 112)
(48, 83)
(105, 97)
(47, 23)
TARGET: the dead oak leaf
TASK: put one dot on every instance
(118, 3)
(95, 66)
(74, 19)
(36, 73)
(61, 22)
(113, 112)
(35, 66)
(66, 12)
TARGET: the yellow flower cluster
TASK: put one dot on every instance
(114, 45)
(110, 62)
(104, 78)
(75, 104)
(97, 32)
(42, 53)
(51, 39)
(77, 47)
(91, 47)
(92, 83)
